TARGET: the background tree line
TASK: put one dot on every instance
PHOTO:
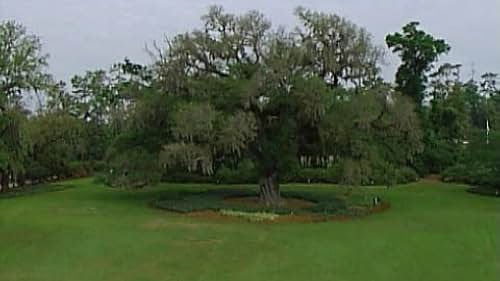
(240, 101)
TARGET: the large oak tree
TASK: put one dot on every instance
(242, 88)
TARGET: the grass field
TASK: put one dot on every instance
(433, 231)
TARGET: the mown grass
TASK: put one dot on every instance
(433, 231)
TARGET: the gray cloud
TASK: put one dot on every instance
(83, 35)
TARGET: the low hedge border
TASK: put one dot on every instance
(33, 189)
(485, 191)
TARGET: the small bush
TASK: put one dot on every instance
(471, 174)
(315, 175)
(457, 173)
(406, 175)
(481, 164)
(381, 172)
(244, 173)
(184, 176)
(134, 169)
(36, 171)
(99, 166)
(78, 169)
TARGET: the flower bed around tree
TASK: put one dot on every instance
(296, 205)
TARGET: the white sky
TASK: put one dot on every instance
(89, 34)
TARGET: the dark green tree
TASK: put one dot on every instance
(57, 146)
(418, 51)
(133, 156)
(22, 70)
(103, 99)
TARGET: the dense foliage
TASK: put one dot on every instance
(238, 101)
(480, 165)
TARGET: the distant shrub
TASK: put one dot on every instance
(36, 171)
(99, 166)
(458, 173)
(438, 155)
(101, 178)
(382, 172)
(406, 175)
(318, 175)
(481, 164)
(185, 176)
(133, 169)
(78, 169)
(244, 173)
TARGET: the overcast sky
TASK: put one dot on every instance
(89, 34)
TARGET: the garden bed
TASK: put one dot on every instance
(230, 204)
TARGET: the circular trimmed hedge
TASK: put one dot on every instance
(324, 204)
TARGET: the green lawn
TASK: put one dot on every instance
(433, 232)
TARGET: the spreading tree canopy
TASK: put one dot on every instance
(241, 88)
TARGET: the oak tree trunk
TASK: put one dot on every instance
(269, 189)
(5, 181)
(21, 180)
